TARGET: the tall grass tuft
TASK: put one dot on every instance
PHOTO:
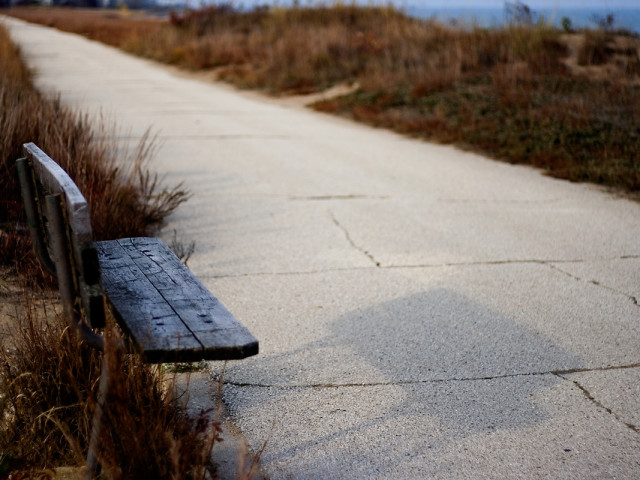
(115, 188)
(48, 377)
(48, 383)
(44, 376)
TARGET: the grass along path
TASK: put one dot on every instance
(48, 376)
(568, 103)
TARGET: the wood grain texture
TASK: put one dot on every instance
(54, 180)
(168, 312)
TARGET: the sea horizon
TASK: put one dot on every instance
(627, 18)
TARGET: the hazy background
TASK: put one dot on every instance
(485, 13)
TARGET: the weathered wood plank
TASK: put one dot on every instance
(140, 309)
(143, 275)
(221, 335)
(55, 180)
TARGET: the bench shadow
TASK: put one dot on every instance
(456, 364)
(444, 335)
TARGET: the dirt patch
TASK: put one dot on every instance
(297, 101)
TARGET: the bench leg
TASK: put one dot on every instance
(93, 466)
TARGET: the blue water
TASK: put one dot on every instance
(627, 18)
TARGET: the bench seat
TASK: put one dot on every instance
(168, 313)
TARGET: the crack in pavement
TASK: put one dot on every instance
(633, 299)
(342, 197)
(562, 374)
(549, 262)
(558, 373)
(552, 264)
(284, 274)
(350, 240)
(600, 405)
(488, 201)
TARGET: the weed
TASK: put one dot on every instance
(49, 380)
(121, 188)
(182, 250)
(184, 367)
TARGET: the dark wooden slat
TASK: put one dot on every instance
(221, 335)
(140, 309)
(153, 271)
(55, 180)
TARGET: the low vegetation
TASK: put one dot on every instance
(48, 386)
(566, 102)
(116, 188)
(48, 377)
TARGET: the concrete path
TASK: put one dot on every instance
(423, 312)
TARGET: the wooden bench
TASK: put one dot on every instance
(165, 311)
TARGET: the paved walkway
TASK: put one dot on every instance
(422, 312)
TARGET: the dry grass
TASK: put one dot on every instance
(48, 377)
(523, 93)
(110, 27)
(115, 188)
(48, 382)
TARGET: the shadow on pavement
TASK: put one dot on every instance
(426, 370)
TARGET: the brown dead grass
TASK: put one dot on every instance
(528, 93)
(115, 187)
(48, 377)
(49, 380)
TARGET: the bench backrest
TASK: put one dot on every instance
(61, 216)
